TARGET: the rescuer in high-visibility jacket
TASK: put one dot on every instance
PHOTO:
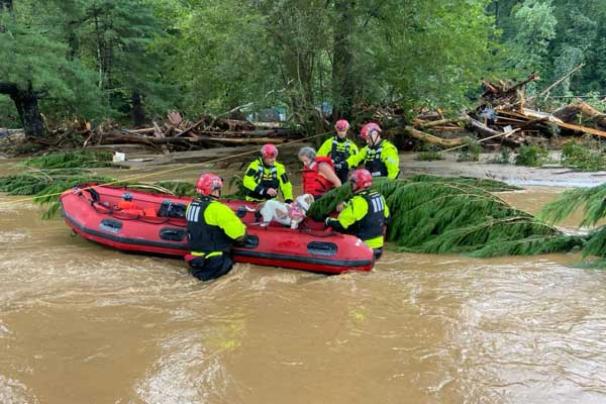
(212, 229)
(339, 149)
(264, 177)
(365, 215)
(379, 156)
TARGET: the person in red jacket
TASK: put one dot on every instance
(319, 175)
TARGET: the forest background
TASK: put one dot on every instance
(133, 60)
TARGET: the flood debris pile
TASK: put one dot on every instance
(457, 215)
(174, 133)
(504, 116)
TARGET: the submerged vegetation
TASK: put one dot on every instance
(41, 183)
(457, 215)
(45, 186)
(179, 188)
(72, 159)
(592, 202)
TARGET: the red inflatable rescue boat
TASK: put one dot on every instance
(150, 221)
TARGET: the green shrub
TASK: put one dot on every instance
(504, 156)
(582, 157)
(531, 156)
(429, 156)
(471, 152)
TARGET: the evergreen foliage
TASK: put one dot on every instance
(179, 188)
(592, 203)
(456, 215)
(71, 159)
(45, 186)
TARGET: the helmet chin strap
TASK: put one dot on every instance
(373, 140)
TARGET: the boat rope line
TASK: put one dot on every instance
(170, 170)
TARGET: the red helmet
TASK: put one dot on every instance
(269, 150)
(368, 129)
(360, 179)
(208, 183)
(342, 125)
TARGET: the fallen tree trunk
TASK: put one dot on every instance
(140, 131)
(583, 129)
(249, 133)
(482, 129)
(231, 140)
(444, 122)
(426, 137)
(575, 113)
(240, 133)
(152, 141)
(557, 121)
(489, 133)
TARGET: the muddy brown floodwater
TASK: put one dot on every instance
(80, 323)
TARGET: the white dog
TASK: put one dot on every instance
(288, 214)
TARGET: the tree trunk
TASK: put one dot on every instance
(344, 88)
(138, 112)
(26, 102)
(429, 138)
(7, 5)
(581, 111)
(74, 44)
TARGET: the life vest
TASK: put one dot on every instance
(129, 208)
(373, 162)
(124, 205)
(372, 224)
(267, 177)
(315, 183)
(203, 237)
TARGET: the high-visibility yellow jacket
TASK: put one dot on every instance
(365, 216)
(212, 227)
(382, 160)
(258, 178)
(339, 150)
